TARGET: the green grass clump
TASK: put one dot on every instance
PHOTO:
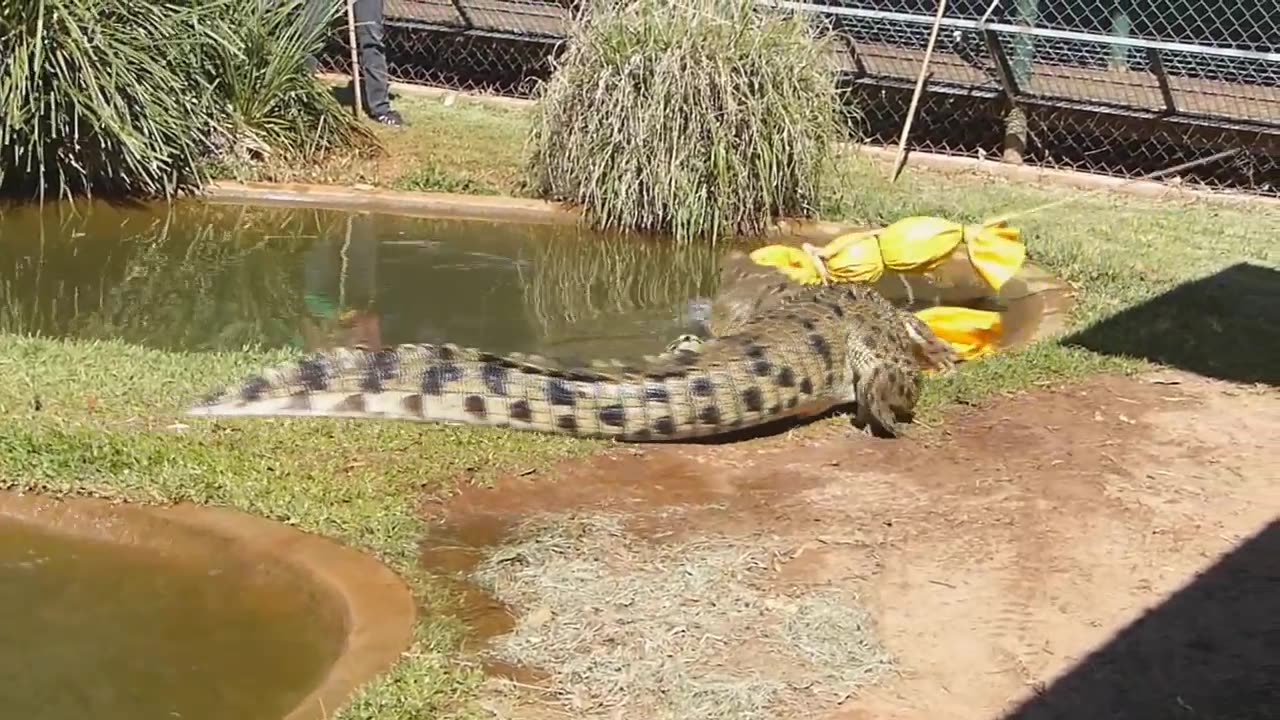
(136, 98)
(104, 419)
(695, 118)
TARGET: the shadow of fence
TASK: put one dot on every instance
(1210, 652)
(1224, 326)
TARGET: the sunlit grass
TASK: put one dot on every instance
(103, 418)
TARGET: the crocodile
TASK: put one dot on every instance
(748, 290)
(811, 349)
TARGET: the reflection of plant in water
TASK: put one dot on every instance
(573, 282)
(56, 262)
(224, 289)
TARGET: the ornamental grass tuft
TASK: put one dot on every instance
(138, 97)
(696, 118)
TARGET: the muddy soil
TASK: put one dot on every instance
(998, 551)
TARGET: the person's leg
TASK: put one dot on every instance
(373, 61)
(312, 18)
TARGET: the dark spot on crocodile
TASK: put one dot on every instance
(702, 387)
(432, 383)
(835, 308)
(762, 368)
(807, 324)
(831, 379)
(786, 378)
(775, 409)
(474, 404)
(353, 403)
(313, 374)
(752, 398)
(656, 394)
(709, 415)
(613, 415)
(567, 422)
(435, 377)
(580, 374)
(642, 435)
(495, 379)
(372, 380)
(753, 351)
(664, 425)
(662, 373)
(558, 393)
(521, 411)
(254, 388)
(806, 386)
(383, 366)
(792, 402)
(820, 346)
(444, 353)
(505, 361)
(412, 404)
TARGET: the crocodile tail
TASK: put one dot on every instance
(677, 399)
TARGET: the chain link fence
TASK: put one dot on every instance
(503, 47)
(1117, 87)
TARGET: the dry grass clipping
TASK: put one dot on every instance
(672, 630)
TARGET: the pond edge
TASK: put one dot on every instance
(438, 205)
(378, 608)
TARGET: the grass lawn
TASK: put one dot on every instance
(102, 418)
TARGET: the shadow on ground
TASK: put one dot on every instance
(1211, 652)
(1225, 326)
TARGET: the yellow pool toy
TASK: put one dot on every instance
(913, 245)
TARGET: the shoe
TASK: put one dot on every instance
(391, 118)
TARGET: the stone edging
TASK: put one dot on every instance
(379, 610)
(367, 198)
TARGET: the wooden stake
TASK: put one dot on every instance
(355, 55)
(901, 158)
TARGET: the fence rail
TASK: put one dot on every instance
(1117, 87)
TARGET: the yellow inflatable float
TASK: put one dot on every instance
(913, 245)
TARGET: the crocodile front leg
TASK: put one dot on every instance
(931, 351)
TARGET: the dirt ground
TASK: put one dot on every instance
(1003, 554)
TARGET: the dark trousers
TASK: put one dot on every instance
(369, 41)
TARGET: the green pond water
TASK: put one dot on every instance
(200, 276)
(92, 630)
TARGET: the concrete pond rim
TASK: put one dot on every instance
(377, 609)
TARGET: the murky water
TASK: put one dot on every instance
(91, 630)
(197, 276)
(202, 277)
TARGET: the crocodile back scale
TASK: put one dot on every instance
(814, 348)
